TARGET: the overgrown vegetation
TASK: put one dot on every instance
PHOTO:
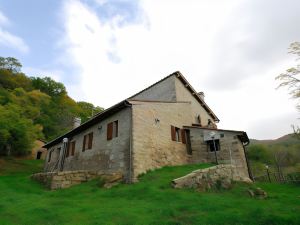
(282, 156)
(151, 201)
(34, 107)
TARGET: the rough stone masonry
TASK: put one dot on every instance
(66, 179)
(205, 179)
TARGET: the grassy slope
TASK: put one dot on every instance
(151, 201)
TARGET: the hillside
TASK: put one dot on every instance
(151, 201)
(34, 108)
(285, 140)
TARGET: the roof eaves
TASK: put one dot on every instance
(195, 94)
(98, 117)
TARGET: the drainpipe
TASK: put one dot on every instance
(130, 144)
(63, 154)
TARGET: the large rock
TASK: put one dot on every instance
(220, 177)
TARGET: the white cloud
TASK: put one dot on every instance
(3, 20)
(114, 61)
(8, 39)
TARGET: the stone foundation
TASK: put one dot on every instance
(205, 179)
(66, 179)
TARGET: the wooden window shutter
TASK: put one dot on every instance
(90, 140)
(84, 140)
(173, 133)
(73, 148)
(183, 137)
(109, 131)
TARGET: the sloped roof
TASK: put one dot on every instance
(97, 118)
(189, 87)
(125, 103)
(241, 134)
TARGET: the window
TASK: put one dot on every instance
(198, 120)
(178, 134)
(112, 130)
(211, 145)
(38, 155)
(87, 142)
(71, 148)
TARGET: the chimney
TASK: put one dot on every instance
(201, 95)
(76, 122)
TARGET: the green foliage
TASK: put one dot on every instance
(11, 64)
(151, 201)
(34, 108)
(87, 110)
(9, 80)
(17, 133)
(49, 86)
(259, 153)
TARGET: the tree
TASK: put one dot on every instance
(87, 110)
(10, 64)
(49, 86)
(290, 79)
(17, 133)
(259, 153)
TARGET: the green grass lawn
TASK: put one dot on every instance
(151, 201)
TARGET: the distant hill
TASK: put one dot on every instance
(286, 140)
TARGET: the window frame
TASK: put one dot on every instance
(112, 130)
(178, 134)
(210, 145)
(87, 141)
(71, 148)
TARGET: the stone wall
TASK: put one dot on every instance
(231, 149)
(105, 155)
(163, 91)
(66, 179)
(220, 176)
(152, 144)
(183, 94)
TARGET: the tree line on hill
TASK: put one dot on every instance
(34, 108)
(280, 156)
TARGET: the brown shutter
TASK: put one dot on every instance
(183, 138)
(90, 140)
(84, 140)
(73, 148)
(109, 131)
(173, 133)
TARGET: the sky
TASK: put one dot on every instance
(106, 50)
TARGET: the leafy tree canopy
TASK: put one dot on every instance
(11, 64)
(48, 86)
(32, 108)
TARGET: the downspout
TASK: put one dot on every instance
(130, 144)
(63, 154)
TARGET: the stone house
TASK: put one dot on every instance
(38, 152)
(168, 123)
